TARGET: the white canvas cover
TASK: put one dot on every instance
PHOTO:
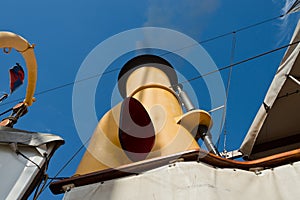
(194, 181)
(17, 173)
(276, 127)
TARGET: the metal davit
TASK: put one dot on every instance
(9, 40)
(24, 155)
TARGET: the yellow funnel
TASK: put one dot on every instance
(149, 122)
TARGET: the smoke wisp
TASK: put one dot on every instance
(188, 16)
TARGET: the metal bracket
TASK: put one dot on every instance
(184, 98)
(67, 188)
(293, 79)
(176, 160)
(257, 170)
(232, 154)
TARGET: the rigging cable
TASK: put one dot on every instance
(183, 82)
(44, 176)
(24, 156)
(58, 87)
(65, 165)
(242, 61)
(226, 34)
(43, 180)
(8, 110)
(75, 82)
(224, 114)
(197, 77)
(200, 42)
(223, 68)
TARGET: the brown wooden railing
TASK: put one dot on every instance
(192, 155)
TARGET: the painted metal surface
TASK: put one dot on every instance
(19, 174)
(10, 40)
(148, 80)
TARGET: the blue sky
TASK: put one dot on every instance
(65, 32)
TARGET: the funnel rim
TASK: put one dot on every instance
(140, 61)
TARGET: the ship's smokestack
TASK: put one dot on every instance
(149, 122)
(145, 70)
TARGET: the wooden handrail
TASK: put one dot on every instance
(192, 155)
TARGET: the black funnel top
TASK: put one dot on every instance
(140, 61)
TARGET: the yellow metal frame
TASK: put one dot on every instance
(12, 40)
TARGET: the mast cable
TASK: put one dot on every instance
(223, 68)
(39, 191)
(241, 62)
(200, 42)
(226, 34)
(14, 147)
(288, 94)
(192, 79)
(224, 114)
(6, 111)
(65, 165)
(197, 77)
(183, 82)
(75, 82)
(24, 156)
(46, 178)
(60, 86)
